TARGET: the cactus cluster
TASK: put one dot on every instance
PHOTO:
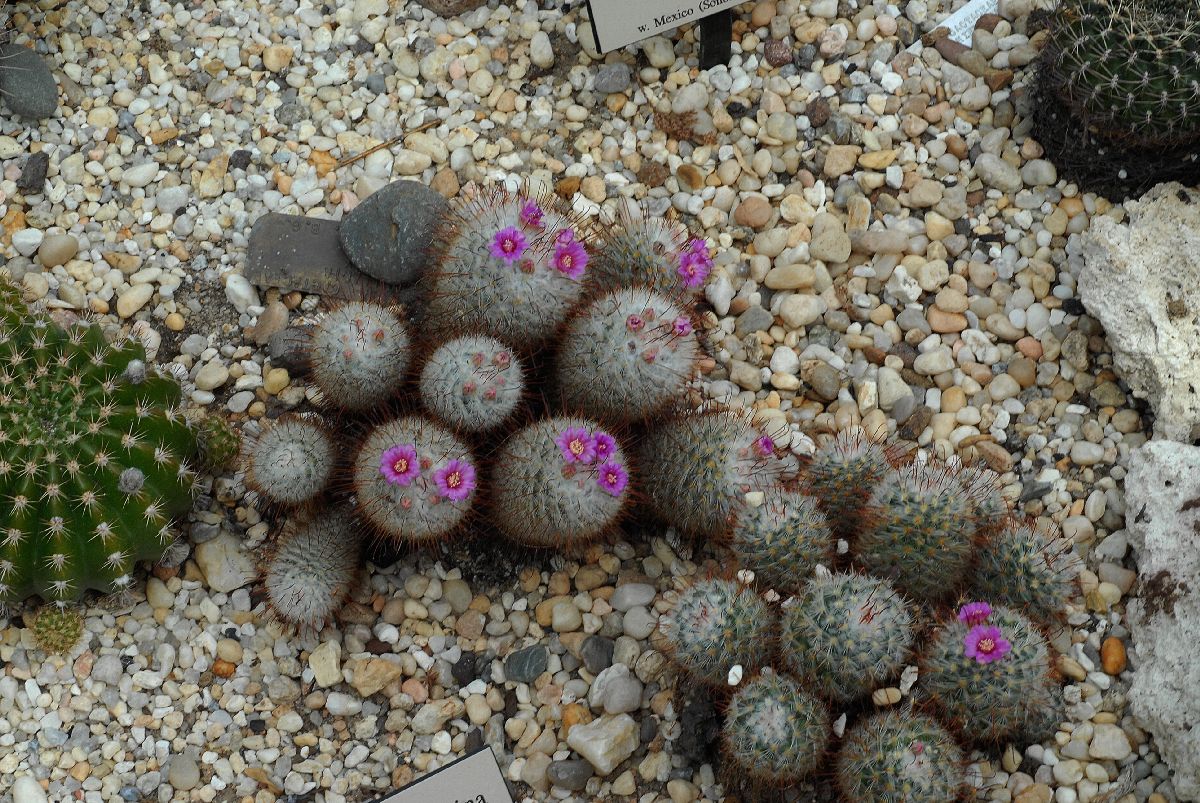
(94, 456)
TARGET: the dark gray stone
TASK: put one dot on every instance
(754, 319)
(289, 349)
(451, 8)
(524, 666)
(293, 252)
(33, 173)
(571, 775)
(597, 653)
(388, 235)
(26, 83)
(612, 78)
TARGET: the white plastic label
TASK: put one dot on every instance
(616, 23)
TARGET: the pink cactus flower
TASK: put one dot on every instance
(682, 326)
(612, 478)
(606, 446)
(570, 258)
(455, 480)
(398, 464)
(985, 643)
(508, 245)
(974, 613)
(530, 215)
(576, 445)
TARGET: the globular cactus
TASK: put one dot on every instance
(697, 469)
(775, 732)
(627, 355)
(987, 672)
(1024, 568)
(715, 625)
(57, 629)
(982, 486)
(414, 481)
(312, 569)
(291, 461)
(651, 252)
(900, 757)
(93, 450)
(513, 266)
(841, 475)
(783, 539)
(359, 353)
(220, 444)
(845, 635)
(472, 384)
(921, 532)
(560, 481)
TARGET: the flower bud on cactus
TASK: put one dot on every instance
(360, 352)
(513, 267)
(697, 469)
(1023, 568)
(842, 474)
(627, 355)
(415, 481)
(57, 629)
(846, 634)
(219, 443)
(716, 625)
(312, 569)
(290, 461)
(987, 672)
(783, 539)
(472, 384)
(775, 732)
(561, 481)
(900, 757)
(652, 252)
(73, 422)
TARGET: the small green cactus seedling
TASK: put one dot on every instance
(57, 629)
(842, 474)
(641, 250)
(359, 354)
(312, 569)
(561, 481)
(513, 266)
(93, 449)
(900, 757)
(716, 625)
(630, 353)
(783, 539)
(697, 469)
(921, 533)
(1025, 569)
(219, 443)
(846, 634)
(290, 461)
(472, 384)
(414, 481)
(987, 672)
(775, 732)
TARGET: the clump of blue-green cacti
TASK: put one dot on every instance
(94, 458)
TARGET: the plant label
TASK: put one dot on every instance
(474, 778)
(616, 23)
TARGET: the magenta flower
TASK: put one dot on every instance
(530, 215)
(565, 236)
(455, 480)
(764, 445)
(577, 445)
(605, 445)
(974, 613)
(570, 258)
(682, 326)
(399, 464)
(694, 268)
(612, 478)
(508, 245)
(634, 323)
(985, 643)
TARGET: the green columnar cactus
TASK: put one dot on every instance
(900, 757)
(359, 354)
(628, 355)
(513, 267)
(783, 539)
(774, 731)
(472, 384)
(651, 252)
(846, 634)
(1023, 568)
(697, 469)
(93, 451)
(312, 569)
(561, 481)
(987, 673)
(842, 474)
(57, 629)
(290, 461)
(220, 444)
(716, 625)
(921, 533)
(414, 481)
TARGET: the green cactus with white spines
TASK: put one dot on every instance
(845, 635)
(1023, 568)
(513, 266)
(718, 624)
(697, 469)
(775, 732)
(291, 461)
(640, 250)
(93, 451)
(558, 482)
(921, 532)
(783, 539)
(900, 757)
(841, 475)
(312, 569)
(627, 355)
(359, 354)
(414, 481)
(472, 384)
(987, 676)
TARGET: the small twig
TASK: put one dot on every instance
(352, 159)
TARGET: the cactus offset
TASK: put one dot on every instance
(897, 757)
(783, 539)
(220, 444)
(312, 569)
(715, 625)
(57, 629)
(290, 461)
(841, 475)
(1023, 568)
(775, 732)
(359, 354)
(472, 384)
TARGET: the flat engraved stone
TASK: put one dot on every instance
(293, 252)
